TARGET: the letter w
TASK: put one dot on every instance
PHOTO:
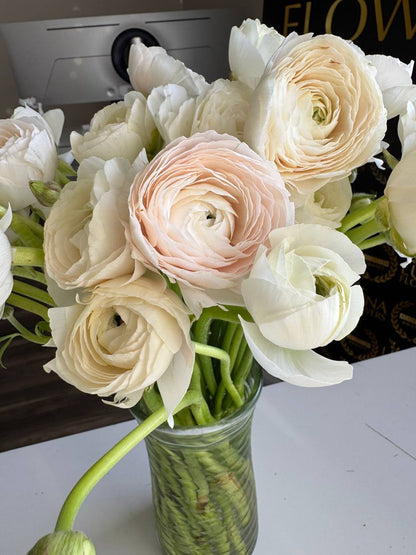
(382, 31)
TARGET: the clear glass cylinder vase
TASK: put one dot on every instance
(203, 485)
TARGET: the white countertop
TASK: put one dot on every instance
(335, 472)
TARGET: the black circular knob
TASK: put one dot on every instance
(121, 47)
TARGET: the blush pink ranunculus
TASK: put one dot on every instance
(202, 207)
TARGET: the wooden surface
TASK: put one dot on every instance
(36, 406)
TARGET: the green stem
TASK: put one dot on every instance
(374, 241)
(29, 305)
(27, 334)
(365, 231)
(83, 487)
(27, 256)
(29, 273)
(200, 411)
(32, 292)
(224, 359)
(19, 222)
(360, 215)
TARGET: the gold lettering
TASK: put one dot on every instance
(307, 17)
(361, 23)
(286, 22)
(382, 31)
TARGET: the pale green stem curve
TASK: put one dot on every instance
(375, 241)
(224, 358)
(32, 292)
(83, 487)
(358, 216)
(27, 334)
(29, 305)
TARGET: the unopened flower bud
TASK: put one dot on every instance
(63, 543)
(46, 193)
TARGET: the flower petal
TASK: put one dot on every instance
(302, 368)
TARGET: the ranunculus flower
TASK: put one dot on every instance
(121, 129)
(28, 152)
(151, 67)
(400, 190)
(173, 111)
(202, 207)
(251, 47)
(301, 296)
(85, 240)
(395, 80)
(125, 337)
(222, 107)
(317, 111)
(326, 206)
(6, 276)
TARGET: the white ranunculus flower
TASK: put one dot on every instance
(326, 206)
(125, 336)
(301, 296)
(222, 107)
(151, 67)
(121, 129)
(85, 232)
(6, 276)
(400, 190)
(173, 111)
(407, 128)
(251, 47)
(28, 152)
(395, 80)
(307, 116)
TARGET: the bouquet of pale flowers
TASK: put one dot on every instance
(207, 226)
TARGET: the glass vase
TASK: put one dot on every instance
(203, 484)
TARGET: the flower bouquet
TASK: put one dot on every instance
(209, 230)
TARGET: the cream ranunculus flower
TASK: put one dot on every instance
(251, 47)
(300, 294)
(121, 129)
(202, 207)
(85, 239)
(223, 107)
(400, 190)
(28, 152)
(151, 67)
(123, 338)
(326, 206)
(317, 111)
(6, 276)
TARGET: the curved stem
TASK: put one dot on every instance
(83, 487)
(374, 241)
(224, 359)
(27, 334)
(29, 305)
(360, 215)
(33, 292)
